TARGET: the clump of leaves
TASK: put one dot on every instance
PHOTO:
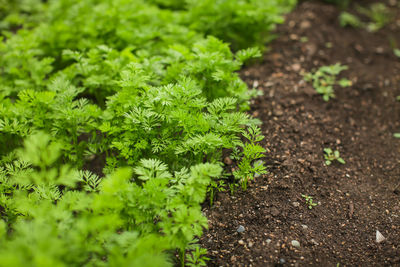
(213, 188)
(250, 152)
(325, 78)
(331, 156)
(142, 86)
(348, 19)
(132, 216)
(197, 257)
(379, 15)
(309, 201)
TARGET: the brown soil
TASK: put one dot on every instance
(355, 199)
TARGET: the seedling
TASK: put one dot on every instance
(197, 258)
(348, 19)
(233, 187)
(396, 52)
(328, 45)
(325, 78)
(304, 39)
(309, 201)
(331, 156)
(251, 151)
(379, 15)
(215, 186)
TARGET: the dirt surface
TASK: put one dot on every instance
(355, 199)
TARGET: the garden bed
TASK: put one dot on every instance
(354, 199)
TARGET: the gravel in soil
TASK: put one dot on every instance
(355, 199)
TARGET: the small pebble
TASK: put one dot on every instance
(379, 237)
(379, 50)
(295, 243)
(305, 25)
(296, 204)
(255, 84)
(250, 244)
(268, 241)
(241, 242)
(240, 229)
(314, 242)
(296, 67)
(304, 226)
(282, 261)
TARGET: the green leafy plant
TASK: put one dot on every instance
(396, 52)
(113, 119)
(233, 187)
(137, 215)
(215, 186)
(379, 15)
(348, 19)
(309, 201)
(197, 258)
(251, 151)
(325, 78)
(331, 156)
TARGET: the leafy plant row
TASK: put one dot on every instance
(146, 91)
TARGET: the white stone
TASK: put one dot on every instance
(379, 237)
(240, 229)
(295, 243)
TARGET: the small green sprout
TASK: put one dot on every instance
(328, 45)
(324, 80)
(197, 257)
(396, 52)
(251, 151)
(309, 201)
(348, 19)
(304, 39)
(215, 186)
(378, 13)
(331, 155)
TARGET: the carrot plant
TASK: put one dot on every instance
(113, 119)
(251, 151)
(378, 15)
(331, 156)
(309, 201)
(325, 78)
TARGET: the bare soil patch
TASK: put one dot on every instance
(354, 200)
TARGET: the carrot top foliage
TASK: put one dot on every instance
(149, 91)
